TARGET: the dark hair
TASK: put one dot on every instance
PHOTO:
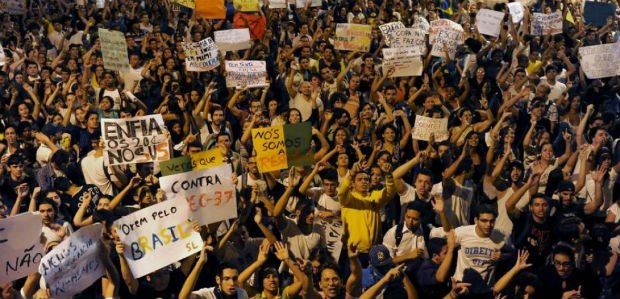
(329, 265)
(15, 159)
(435, 245)
(329, 174)
(415, 205)
(223, 266)
(564, 250)
(45, 200)
(485, 209)
(538, 195)
(60, 157)
(426, 172)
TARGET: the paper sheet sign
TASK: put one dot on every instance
(303, 3)
(197, 161)
(20, 244)
(74, 264)
(134, 140)
(445, 32)
(545, 24)
(489, 21)
(600, 61)
(516, 11)
(249, 73)
(13, 7)
(113, 50)
(209, 193)
(388, 29)
(201, 56)
(233, 39)
(424, 126)
(277, 3)
(353, 37)
(280, 147)
(157, 236)
(410, 38)
(405, 62)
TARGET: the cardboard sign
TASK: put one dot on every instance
(280, 147)
(517, 11)
(545, 24)
(388, 29)
(410, 38)
(208, 193)
(201, 56)
(113, 50)
(353, 37)
(157, 236)
(134, 140)
(333, 236)
(600, 61)
(445, 32)
(246, 5)
(20, 244)
(404, 61)
(277, 4)
(297, 138)
(233, 39)
(13, 7)
(201, 160)
(210, 9)
(250, 73)
(187, 3)
(303, 3)
(597, 12)
(424, 126)
(489, 21)
(74, 264)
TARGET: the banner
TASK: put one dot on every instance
(489, 21)
(388, 29)
(186, 3)
(202, 160)
(134, 140)
(157, 236)
(410, 38)
(424, 126)
(210, 9)
(13, 7)
(404, 61)
(249, 73)
(277, 3)
(600, 61)
(20, 244)
(516, 11)
(545, 24)
(233, 39)
(445, 32)
(201, 56)
(113, 50)
(246, 5)
(333, 236)
(597, 12)
(209, 193)
(283, 146)
(353, 37)
(74, 264)
(302, 3)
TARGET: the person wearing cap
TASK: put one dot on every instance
(566, 205)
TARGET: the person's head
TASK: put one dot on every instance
(60, 160)
(485, 220)
(92, 120)
(270, 280)
(329, 178)
(294, 116)
(10, 134)
(563, 260)
(251, 166)
(551, 71)
(103, 203)
(326, 74)
(106, 103)
(437, 249)
(330, 283)
(145, 197)
(223, 139)
(539, 207)
(388, 133)
(217, 115)
(424, 182)
(546, 152)
(340, 136)
(390, 94)
(516, 171)
(598, 135)
(227, 279)
(413, 214)
(48, 209)
(160, 279)
(7, 291)
(566, 190)
(15, 162)
(361, 182)
(465, 116)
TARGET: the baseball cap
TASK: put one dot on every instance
(380, 256)
(566, 186)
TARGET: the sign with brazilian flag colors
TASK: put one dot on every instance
(280, 147)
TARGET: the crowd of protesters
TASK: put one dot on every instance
(520, 200)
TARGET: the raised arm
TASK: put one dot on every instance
(282, 253)
(190, 281)
(133, 183)
(598, 176)
(521, 264)
(354, 282)
(391, 275)
(281, 204)
(443, 272)
(263, 251)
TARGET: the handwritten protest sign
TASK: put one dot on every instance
(516, 11)
(278, 3)
(303, 3)
(489, 21)
(246, 5)
(134, 140)
(13, 7)
(74, 264)
(211, 9)
(157, 236)
(410, 38)
(280, 147)
(333, 236)
(352, 37)
(20, 245)
(197, 161)
(600, 61)
(208, 193)
(424, 126)
(545, 24)
(201, 56)
(404, 61)
(250, 73)
(113, 50)
(233, 39)
(421, 23)
(388, 29)
(444, 32)
(597, 12)
(187, 3)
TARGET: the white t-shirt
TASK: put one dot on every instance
(556, 89)
(305, 107)
(615, 210)
(130, 76)
(411, 241)
(300, 244)
(503, 222)
(209, 293)
(92, 167)
(114, 94)
(587, 192)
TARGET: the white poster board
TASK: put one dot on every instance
(74, 264)
(424, 126)
(201, 56)
(157, 236)
(303, 3)
(138, 139)
(277, 3)
(233, 39)
(489, 21)
(600, 61)
(410, 38)
(333, 236)
(404, 61)
(545, 24)
(13, 7)
(113, 50)
(353, 37)
(516, 11)
(249, 73)
(388, 29)
(20, 245)
(209, 193)
(445, 32)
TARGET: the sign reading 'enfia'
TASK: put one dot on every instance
(134, 140)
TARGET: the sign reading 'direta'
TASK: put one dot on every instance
(209, 193)
(74, 264)
(280, 147)
(157, 236)
(139, 139)
(20, 245)
(201, 56)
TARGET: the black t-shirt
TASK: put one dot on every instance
(9, 193)
(78, 198)
(146, 291)
(532, 236)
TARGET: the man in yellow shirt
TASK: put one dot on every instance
(361, 208)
